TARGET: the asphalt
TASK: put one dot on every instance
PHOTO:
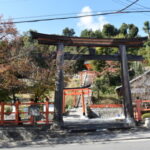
(46, 136)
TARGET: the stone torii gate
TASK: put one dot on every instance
(121, 44)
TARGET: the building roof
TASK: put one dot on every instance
(136, 78)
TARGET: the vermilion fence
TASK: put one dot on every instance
(106, 111)
(106, 106)
(76, 92)
(19, 113)
(141, 106)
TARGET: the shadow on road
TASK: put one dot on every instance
(52, 138)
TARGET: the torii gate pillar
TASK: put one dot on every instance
(58, 118)
(125, 81)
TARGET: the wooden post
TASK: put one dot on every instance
(32, 117)
(81, 74)
(74, 102)
(64, 102)
(125, 81)
(138, 107)
(83, 103)
(58, 117)
(2, 113)
(17, 112)
(47, 111)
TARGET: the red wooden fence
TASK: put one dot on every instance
(75, 92)
(141, 106)
(106, 106)
(45, 112)
(20, 116)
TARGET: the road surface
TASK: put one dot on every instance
(141, 144)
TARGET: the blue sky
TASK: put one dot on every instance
(28, 8)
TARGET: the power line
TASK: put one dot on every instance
(129, 1)
(62, 14)
(140, 5)
(80, 16)
(75, 17)
(137, 4)
(129, 5)
(48, 15)
(124, 3)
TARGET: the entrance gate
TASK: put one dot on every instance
(121, 44)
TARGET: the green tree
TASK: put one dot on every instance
(132, 31)
(128, 30)
(87, 33)
(91, 33)
(109, 30)
(98, 34)
(123, 29)
(68, 32)
(146, 28)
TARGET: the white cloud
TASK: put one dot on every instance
(90, 22)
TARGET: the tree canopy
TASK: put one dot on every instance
(26, 66)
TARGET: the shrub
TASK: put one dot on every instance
(146, 115)
(8, 110)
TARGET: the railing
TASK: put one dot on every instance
(140, 107)
(20, 114)
(74, 92)
(108, 111)
(106, 106)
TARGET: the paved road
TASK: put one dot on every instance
(113, 145)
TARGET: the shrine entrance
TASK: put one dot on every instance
(79, 98)
(91, 43)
